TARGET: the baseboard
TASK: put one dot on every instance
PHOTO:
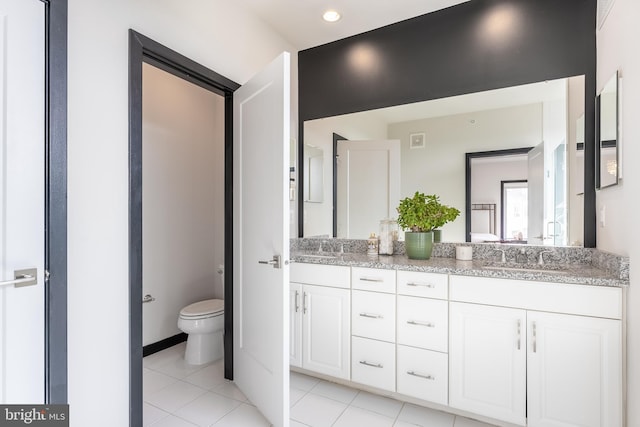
(163, 344)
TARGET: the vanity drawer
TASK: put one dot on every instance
(373, 279)
(418, 284)
(423, 322)
(317, 274)
(373, 363)
(423, 374)
(373, 315)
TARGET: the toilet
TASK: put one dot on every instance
(203, 321)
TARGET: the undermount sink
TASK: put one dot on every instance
(524, 270)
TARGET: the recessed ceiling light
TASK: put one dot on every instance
(331, 16)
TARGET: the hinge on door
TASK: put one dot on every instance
(46, 275)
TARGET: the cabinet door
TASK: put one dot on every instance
(487, 361)
(326, 330)
(574, 371)
(295, 324)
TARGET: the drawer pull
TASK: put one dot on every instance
(373, 365)
(419, 323)
(426, 377)
(367, 279)
(372, 316)
(426, 285)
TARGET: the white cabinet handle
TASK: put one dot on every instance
(419, 323)
(534, 337)
(371, 316)
(297, 302)
(426, 285)
(426, 377)
(304, 302)
(519, 334)
(368, 279)
(373, 365)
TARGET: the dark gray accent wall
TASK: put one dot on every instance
(475, 46)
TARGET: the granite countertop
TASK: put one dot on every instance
(584, 274)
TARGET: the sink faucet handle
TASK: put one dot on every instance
(503, 257)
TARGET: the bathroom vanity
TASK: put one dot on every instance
(536, 346)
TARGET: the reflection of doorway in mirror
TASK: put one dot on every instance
(514, 216)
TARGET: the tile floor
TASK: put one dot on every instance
(180, 395)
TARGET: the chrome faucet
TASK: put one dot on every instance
(541, 257)
(503, 257)
(523, 253)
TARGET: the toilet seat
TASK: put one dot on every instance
(203, 309)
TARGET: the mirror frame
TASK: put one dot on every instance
(467, 179)
(600, 144)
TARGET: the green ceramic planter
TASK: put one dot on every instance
(418, 245)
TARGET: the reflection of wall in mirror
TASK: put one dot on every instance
(440, 167)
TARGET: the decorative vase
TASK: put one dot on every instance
(418, 245)
(437, 236)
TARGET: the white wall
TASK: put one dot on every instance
(182, 198)
(439, 168)
(214, 33)
(575, 162)
(617, 50)
(318, 217)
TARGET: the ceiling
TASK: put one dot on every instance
(300, 21)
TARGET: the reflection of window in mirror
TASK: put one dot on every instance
(514, 211)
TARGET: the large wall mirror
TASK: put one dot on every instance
(432, 139)
(607, 135)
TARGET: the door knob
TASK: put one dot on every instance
(23, 278)
(275, 262)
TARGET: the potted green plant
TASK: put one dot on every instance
(419, 216)
(445, 214)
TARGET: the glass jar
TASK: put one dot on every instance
(388, 235)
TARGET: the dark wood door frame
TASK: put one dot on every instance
(143, 49)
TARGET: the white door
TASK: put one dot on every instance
(260, 233)
(487, 361)
(368, 185)
(574, 371)
(22, 198)
(326, 330)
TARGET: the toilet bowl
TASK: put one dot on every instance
(203, 321)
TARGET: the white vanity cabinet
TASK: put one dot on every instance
(535, 353)
(323, 317)
(373, 327)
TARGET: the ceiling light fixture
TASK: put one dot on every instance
(331, 16)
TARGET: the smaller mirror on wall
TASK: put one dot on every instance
(607, 134)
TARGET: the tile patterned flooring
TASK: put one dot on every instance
(180, 395)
